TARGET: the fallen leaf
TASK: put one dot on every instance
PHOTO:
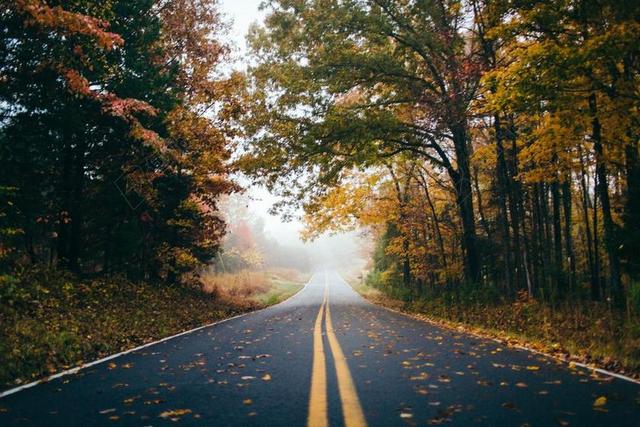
(247, 401)
(107, 411)
(175, 413)
(266, 377)
(601, 401)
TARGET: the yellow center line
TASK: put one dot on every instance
(318, 396)
(351, 408)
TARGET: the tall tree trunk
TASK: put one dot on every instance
(568, 241)
(557, 238)
(596, 238)
(610, 240)
(436, 221)
(632, 211)
(595, 287)
(515, 206)
(502, 193)
(548, 242)
(464, 198)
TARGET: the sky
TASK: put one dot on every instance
(327, 249)
(241, 14)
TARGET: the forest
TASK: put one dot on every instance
(115, 136)
(489, 148)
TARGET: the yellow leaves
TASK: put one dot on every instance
(420, 377)
(533, 368)
(247, 402)
(266, 377)
(600, 402)
(175, 414)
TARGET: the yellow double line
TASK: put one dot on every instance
(351, 408)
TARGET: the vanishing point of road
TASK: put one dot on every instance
(326, 357)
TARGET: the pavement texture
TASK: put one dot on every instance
(327, 357)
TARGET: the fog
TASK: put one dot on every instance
(344, 251)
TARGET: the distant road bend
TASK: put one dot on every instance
(326, 357)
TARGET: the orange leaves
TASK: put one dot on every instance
(69, 23)
(175, 414)
(126, 108)
(77, 83)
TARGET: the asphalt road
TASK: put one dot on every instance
(327, 357)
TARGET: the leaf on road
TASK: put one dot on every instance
(533, 368)
(107, 411)
(175, 414)
(247, 401)
(521, 385)
(419, 377)
(600, 401)
(112, 366)
(266, 377)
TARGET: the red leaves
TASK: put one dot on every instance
(77, 83)
(70, 23)
(125, 108)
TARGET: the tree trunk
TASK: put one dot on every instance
(557, 238)
(595, 290)
(603, 193)
(464, 198)
(566, 204)
(632, 211)
(503, 190)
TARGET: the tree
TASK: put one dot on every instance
(344, 84)
(115, 132)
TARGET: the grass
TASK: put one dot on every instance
(281, 290)
(587, 332)
(50, 321)
(253, 289)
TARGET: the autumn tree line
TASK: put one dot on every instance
(114, 135)
(484, 145)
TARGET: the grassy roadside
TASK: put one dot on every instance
(50, 322)
(590, 334)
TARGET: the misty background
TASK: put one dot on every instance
(257, 238)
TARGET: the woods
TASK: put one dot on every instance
(489, 148)
(114, 136)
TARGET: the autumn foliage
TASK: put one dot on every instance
(489, 148)
(115, 127)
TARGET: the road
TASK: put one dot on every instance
(327, 357)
